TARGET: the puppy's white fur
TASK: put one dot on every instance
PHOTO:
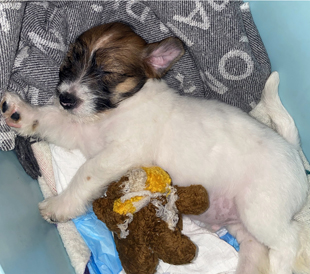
(236, 158)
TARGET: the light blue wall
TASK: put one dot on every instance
(285, 29)
(28, 244)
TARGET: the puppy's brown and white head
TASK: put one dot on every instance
(108, 64)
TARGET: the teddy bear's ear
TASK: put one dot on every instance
(113, 220)
(103, 208)
(193, 199)
(115, 189)
(100, 208)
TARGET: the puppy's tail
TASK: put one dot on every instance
(302, 260)
(275, 115)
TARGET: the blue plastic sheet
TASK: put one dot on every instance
(224, 235)
(104, 256)
(231, 240)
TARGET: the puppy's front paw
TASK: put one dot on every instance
(10, 110)
(59, 209)
(19, 115)
(51, 210)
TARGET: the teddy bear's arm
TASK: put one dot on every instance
(193, 199)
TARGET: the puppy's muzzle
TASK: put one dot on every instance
(68, 100)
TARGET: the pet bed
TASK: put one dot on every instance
(225, 59)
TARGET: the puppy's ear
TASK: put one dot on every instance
(159, 57)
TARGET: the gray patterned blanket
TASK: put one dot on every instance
(225, 57)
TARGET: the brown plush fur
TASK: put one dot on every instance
(149, 237)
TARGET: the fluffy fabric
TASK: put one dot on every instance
(74, 244)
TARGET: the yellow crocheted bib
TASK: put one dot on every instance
(157, 181)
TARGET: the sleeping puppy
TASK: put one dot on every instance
(113, 107)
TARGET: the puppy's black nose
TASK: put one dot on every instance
(5, 106)
(68, 100)
(15, 116)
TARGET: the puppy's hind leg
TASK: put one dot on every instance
(275, 229)
(253, 256)
(302, 260)
(283, 250)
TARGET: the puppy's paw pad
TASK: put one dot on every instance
(4, 106)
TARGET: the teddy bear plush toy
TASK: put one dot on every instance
(143, 210)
